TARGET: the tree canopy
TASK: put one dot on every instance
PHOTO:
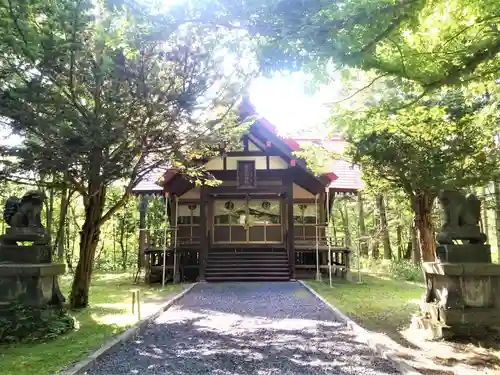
(446, 142)
(104, 94)
(433, 43)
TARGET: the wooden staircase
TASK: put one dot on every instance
(248, 264)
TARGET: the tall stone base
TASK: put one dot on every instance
(461, 299)
(27, 275)
(33, 285)
(463, 253)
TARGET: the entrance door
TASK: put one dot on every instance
(247, 221)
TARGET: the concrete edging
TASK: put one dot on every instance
(374, 344)
(87, 363)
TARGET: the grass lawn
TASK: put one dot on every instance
(380, 304)
(109, 313)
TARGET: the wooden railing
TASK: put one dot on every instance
(316, 251)
(155, 239)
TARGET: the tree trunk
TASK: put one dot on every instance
(125, 254)
(415, 248)
(383, 226)
(63, 213)
(121, 242)
(375, 243)
(89, 238)
(49, 208)
(422, 208)
(496, 192)
(375, 233)
(69, 255)
(399, 240)
(362, 227)
(114, 241)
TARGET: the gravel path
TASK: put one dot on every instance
(243, 329)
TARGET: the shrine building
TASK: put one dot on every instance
(268, 218)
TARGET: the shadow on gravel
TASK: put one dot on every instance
(263, 349)
(264, 329)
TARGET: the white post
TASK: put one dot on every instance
(318, 272)
(165, 231)
(175, 235)
(329, 239)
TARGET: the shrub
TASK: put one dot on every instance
(406, 270)
(398, 269)
(25, 324)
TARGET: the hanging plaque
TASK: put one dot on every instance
(246, 174)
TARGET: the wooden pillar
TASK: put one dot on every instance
(290, 233)
(323, 222)
(322, 207)
(203, 232)
(143, 207)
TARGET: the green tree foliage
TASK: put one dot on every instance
(108, 94)
(444, 143)
(433, 43)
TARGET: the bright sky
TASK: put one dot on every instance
(285, 103)
(282, 100)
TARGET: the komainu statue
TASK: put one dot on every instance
(460, 217)
(24, 212)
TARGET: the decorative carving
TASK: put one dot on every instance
(266, 205)
(24, 212)
(229, 205)
(460, 217)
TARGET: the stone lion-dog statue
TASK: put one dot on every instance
(460, 217)
(24, 212)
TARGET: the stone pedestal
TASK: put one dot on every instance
(27, 275)
(463, 253)
(33, 285)
(462, 299)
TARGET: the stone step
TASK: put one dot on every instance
(247, 278)
(247, 264)
(243, 269)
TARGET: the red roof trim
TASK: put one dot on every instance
(332, 176)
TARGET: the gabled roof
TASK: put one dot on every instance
(340, 175)
(149, 183)
(348, 175)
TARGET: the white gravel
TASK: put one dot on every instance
(243, 329)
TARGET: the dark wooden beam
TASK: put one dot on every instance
(253, 153)
(262, 174)
(268, 163)
(235, 190)
(289, 222)
(224, 163)
(257, 196)
(189, 201)
(203, 232)
(304, 200)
